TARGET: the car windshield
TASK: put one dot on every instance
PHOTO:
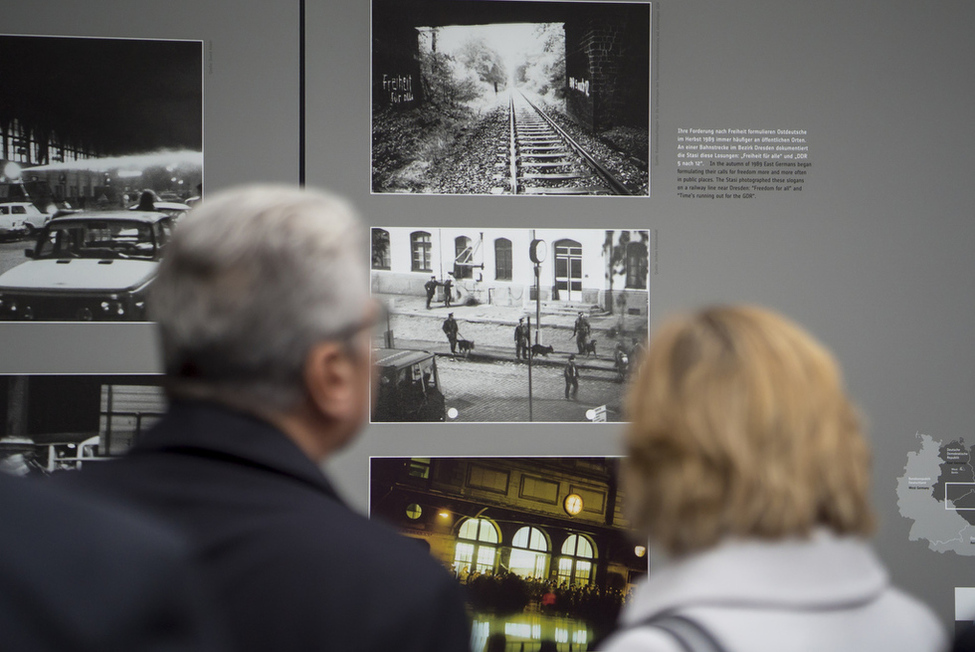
(98, 239)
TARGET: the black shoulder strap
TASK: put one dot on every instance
(689, 633)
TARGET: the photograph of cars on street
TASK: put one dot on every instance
(54, 422)
(508, 325)
(101, 150)
(510, 98)
(540, 544)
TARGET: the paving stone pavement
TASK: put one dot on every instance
(497, 391)
(490, 385)
(490, 325)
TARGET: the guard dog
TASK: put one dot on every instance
(590, 349)
(538, 349)
(465, 347)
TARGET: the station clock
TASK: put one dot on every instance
(572, 504)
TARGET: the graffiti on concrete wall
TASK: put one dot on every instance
(399, 88)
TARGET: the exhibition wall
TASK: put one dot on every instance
(809, 157)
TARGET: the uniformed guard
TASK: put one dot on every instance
(571, 374)
(450, 330)
(431, 288)
(522, 339)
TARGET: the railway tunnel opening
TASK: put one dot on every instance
(592, 58)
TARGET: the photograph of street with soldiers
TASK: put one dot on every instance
(508, 325)
(510, 98)
(540, 544)
(101, 151)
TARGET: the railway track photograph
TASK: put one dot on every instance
(510, 98)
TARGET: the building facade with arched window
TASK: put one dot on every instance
(476, 548)
(552, 519)
(596, 267)
(530, 552)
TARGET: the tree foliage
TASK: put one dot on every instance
(460, 77)
(440, 85)
(544, 71)
(478, 57)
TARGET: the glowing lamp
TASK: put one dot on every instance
(12, 171)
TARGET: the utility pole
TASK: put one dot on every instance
(537, 254)
(530, 414)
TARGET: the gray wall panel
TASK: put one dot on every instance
(873, 255)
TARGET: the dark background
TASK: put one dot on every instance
(123, 96)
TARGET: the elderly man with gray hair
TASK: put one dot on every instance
(264, 314)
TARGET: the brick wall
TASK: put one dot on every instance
(607, 69)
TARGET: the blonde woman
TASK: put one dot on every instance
(747, 467)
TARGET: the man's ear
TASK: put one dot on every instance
(330, 380)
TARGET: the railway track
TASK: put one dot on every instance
(544, 160)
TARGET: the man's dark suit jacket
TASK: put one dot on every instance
(76, 575)
(292, 566)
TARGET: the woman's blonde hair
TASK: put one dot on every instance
(740, 427)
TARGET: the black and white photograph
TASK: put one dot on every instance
(508, 325)
(59, 422)
(540, 543)
(510, 98)
(101, 151)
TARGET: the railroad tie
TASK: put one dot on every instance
(586, 190)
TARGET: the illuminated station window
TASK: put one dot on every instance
(419, 467)
(529, 553)
(477, 546)
(575, 566)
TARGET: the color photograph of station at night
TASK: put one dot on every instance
(539, 543)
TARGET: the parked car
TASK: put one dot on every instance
(88, 266)
(409, 387)
(172, 208)
(34, 218)
(14, 215)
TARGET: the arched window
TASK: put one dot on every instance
(502, 259)
(20, 139)
(477, 546)
(463, 256)
(529, 553)
(637, 262)
(38, 147)
(575, 565)
(420, 247)
(380, 248)
(54, 149)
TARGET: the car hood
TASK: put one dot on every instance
(78, 274)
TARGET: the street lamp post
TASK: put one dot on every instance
(530, 415)
(537, 254)
(538, 303)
